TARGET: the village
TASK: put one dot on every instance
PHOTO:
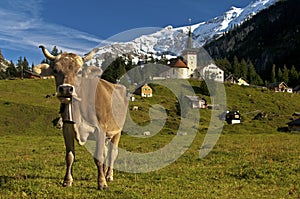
(187, 67)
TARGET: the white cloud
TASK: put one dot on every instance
(23, 28)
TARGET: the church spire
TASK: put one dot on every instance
(190, 38)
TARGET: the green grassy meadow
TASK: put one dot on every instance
(254, 159)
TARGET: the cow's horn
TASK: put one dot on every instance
(47, 54)
(89, 55)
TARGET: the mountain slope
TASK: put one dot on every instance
(271, 37)
(172, 41)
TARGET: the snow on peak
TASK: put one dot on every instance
(172, 40)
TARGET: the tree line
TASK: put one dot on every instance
(10, 70)
(240, 69)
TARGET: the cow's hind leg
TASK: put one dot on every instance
(68, 132)
(112, 155)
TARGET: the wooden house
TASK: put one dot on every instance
(280, 87)
(231, 79)
(233, 117)
(146, 91)
(242, 82)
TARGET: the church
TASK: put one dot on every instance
(188, 66)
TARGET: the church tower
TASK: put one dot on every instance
(190, 55)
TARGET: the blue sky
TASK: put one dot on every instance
(79, 26)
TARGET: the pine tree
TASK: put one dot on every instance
(236, 67)
(251, 73)
(285, 74)
(244, 69)
(273, 74)
(279, 75)
(293, 77)
(11, 71)
(25, 64)
(224, 64)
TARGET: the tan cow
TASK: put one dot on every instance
(65, 68)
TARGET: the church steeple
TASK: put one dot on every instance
(190, 38)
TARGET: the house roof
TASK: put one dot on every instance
(231, 77)
(192, 98)
(294, 122)
(275, 84)
(31, 73)
(178, 63)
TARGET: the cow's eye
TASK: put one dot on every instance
(55, 71)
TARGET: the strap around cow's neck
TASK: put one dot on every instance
(66, 112)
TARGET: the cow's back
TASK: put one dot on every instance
(111, 106)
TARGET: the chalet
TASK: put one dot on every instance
(231, 79)
(294, 125)
(146, 91)
(242, 82)
(196, 102)
(233, 117)
(280, 87)
(234, 80)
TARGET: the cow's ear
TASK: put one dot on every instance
(43, 69)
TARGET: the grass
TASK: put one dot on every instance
(250, 160)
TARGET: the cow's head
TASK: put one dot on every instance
(65, 68)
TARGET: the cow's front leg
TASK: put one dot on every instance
(70, 153)
(112, 155)
(99, 159)
(102, 184)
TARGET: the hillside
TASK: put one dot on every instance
(270, 37)
(250, 159)
(24, 102)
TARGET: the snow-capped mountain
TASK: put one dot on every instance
(171, 41)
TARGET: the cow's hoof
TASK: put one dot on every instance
(109, 178)
(105, 188)
(67, 183)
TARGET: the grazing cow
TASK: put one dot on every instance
(65, 68)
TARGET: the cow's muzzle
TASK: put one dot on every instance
(65, 92)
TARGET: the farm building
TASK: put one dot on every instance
(196, 102)
(294, 125)
(242, 82)
(234, 80)
(231, 79)
(233, 117)
(280, 87)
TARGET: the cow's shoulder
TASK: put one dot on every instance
(105, 87)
